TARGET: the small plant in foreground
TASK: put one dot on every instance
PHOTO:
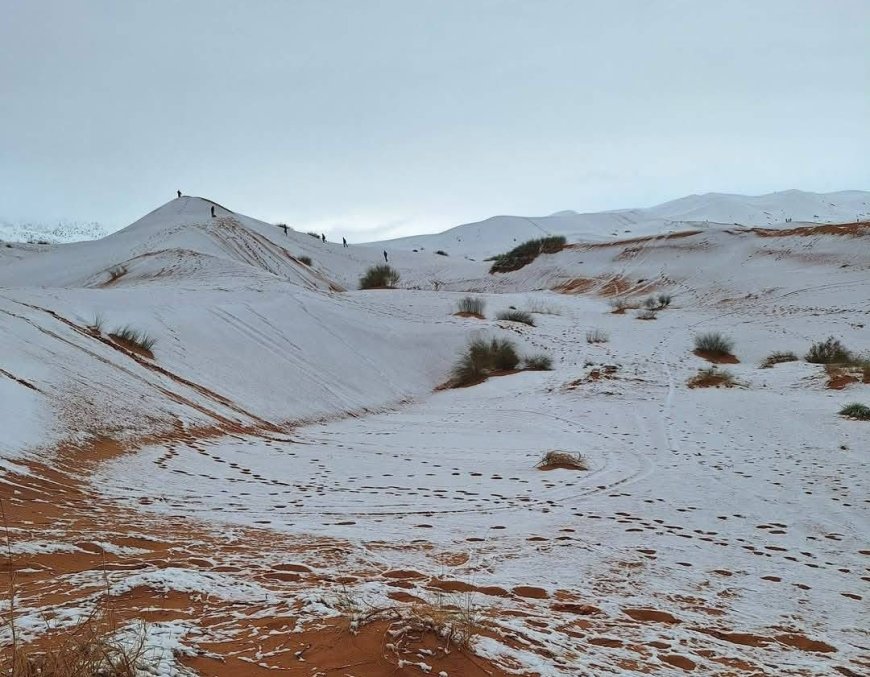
(539, 363)
(646, 314)
(134, 337)
(829, 351)
(483, 357)
(711, 377)
(597, 336)
(664, 300)
(517, 316)
(619, 305)
(471, 305)
(562, 459)
(379, 277)
(714, 344)
(305, 259)
(856, 410)
(650, 303)
(778, 358)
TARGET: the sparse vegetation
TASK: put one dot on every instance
(471, 305)
(522, 255)
(316, 236)
(537, 306)
(115, 273)
(481, 358)
(619, 305)
(711, 377)
(856, 410)
(778, 358)
(539, 363)
(134, 338)
(829, 351)
(646, 314)
(441, 252)
(650, 303)
(562, 459)
(96, 325)
(305, 259)
(517, 316)
(597, 336)
(379, 277)
(714, 344)
(664, 300)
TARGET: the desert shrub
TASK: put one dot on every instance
(829, 351)
(856, 410)
(97, 323)
(562, 459)
(305, 259)
(778, 358)
(135, 337)
(646, 314)
(664, 300)
(441, 252)
(650, 303)
(711, 377)
(597, 336)
(316, 236)
(714, 343)
(541, 308)
(115, 273)
(523, 254)
(483, 357)
(378, 276)
(517, 316)
(619, 305)
(539, 363)
(473, 305)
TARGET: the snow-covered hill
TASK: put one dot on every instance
(501, 233)
(52, 233)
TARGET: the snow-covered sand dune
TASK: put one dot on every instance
(501, 233)
(286, 450)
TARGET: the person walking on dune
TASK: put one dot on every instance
(323, 237)
(386, 260)
(343, 242)
(284, 226)
(179, 193)
(212, 211)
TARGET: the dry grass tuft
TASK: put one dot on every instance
(778, 358)
(553, 460)
(597, 336)
(711, 377)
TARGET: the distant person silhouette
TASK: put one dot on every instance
(343, 242)
(284, 226)
(323, 237)
(212, 211)
(179, 193)
(386, 260)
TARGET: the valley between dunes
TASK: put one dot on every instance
(282, 485)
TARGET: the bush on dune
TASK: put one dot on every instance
(381, 276)
(134, 338)
(829, 351)
(517, 316)
(714, 343)
(539, 363)
(522, 255)
(859, 412)
(481, 358)
(471, 305)
(778, 358)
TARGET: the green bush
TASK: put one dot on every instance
(539, 363)
(778, 358)
(829, 351)
(522, 255)
(483, 357)
(379, 276)
(517, 316)
(472, 305)
(664, 300)
(714, 343)
(860, 412)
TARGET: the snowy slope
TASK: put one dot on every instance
(501, 233)
(61, 231)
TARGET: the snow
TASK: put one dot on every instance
(733, 509)
(61, 231)
(499, 234)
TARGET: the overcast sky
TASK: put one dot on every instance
(384, 118)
